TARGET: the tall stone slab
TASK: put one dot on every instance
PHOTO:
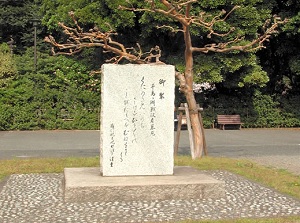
(137, 126)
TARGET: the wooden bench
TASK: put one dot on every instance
(223, 120)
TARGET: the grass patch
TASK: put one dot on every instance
(280, 180)
(44, 165)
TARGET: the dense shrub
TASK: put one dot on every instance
(268, 111)
(57, 97)
(257, 110)
(7, 65)
(64, 95)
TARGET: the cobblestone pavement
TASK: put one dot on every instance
(34, 198)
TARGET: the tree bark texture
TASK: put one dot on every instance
(189, 94)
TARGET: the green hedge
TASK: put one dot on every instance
(57, 97)
(63, 94)
(257, 111)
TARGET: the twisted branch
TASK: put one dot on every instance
(78, 40)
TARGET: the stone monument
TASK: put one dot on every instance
(137, 126)
(136, 143)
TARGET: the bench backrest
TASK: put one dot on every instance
(229, 119)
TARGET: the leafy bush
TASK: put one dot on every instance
(256, 110)
(57, 97)
(268, 113)
(7, 65)
(64, 95)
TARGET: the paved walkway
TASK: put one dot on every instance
(34, 198)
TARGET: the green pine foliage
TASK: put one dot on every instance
(16, 22)
(56, 97)
(103, 13)
(8, 67)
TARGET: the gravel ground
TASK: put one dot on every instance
(34, 198)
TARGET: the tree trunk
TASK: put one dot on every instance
(189, 94)
(194, 117)
(196, 126)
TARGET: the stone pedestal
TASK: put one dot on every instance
(86, 185)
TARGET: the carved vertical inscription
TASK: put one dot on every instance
(137, 104)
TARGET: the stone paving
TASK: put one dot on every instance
(34, 198)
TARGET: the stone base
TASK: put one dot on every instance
(87, 185)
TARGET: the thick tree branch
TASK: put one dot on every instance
(78, 40)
